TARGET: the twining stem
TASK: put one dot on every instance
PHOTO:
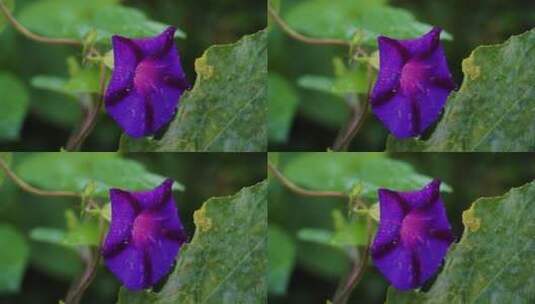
(31, 189)
(77, 290)
(349, 283)
(28, 34)
(298, 36)
(359, 265)
(348, 133)
(77, 139)
(301, 191)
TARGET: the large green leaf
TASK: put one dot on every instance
(76, 18)
(13, 105)
(281, 259)
(75, 171)
(226, 260)
(10, 4)
(13, 258)
(282, 104)
(226, 109)
(495, 108)
(364, 172)
(349, 19)
(495, 260)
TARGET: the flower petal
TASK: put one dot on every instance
(127, 266)
(413, 235)
(146, 84)
(413, 84)
(144, 237)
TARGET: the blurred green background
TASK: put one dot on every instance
(319, 115)
(51, 268)
(318, 268)
(53, 116)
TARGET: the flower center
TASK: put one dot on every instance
(413, 75)
(413, 228)
(145, 75)
(144, 229)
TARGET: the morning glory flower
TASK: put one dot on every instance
(413, 235)
(144, 236)
(413, 84)
(146, 84)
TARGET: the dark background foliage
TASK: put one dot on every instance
(471, 175)
(204, 175)
(472, 23)
(52, 116)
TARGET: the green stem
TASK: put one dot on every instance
(77, 290)
(28, 34)
(301, 191)
(88, 124)
(300, 37)
(343, 293)
(31, 189)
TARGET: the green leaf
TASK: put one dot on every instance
(360, 21)
(48, 235)
(316, 235)
(493, 110)
(126, 21)
(84, 234)
(282, 104)
(78, 18)
(85, 81)
(13, 258)
(344, 171)
(345, 233)
(226, 260)
(14, 104)
(281, 259)
(74, 171)
(226, 109)
(10, 4)
(346, 80)
(494, 261)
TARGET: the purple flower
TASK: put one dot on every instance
(146, 83)
(413, 235)
(413, 84)
(144, 237)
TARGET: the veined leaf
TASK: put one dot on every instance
(495, 108)
(74, 171)
(494, 261)
(225, 262)
(226, 109)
